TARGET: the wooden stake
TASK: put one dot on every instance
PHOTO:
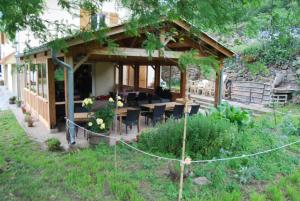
(116, 128)
(183, 143)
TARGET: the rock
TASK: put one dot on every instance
(278, 80)
(201, 181)
(284, 67)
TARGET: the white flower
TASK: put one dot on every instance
(99, 121)
(119, 98)
(87, 101)
(111, 100)
(90, 124)
(187, 161)
(120, 104)
(102, 126)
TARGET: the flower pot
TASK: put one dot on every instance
(23, 109)
(30, 123)
(11, 101)
(19, 103)
(96, 139)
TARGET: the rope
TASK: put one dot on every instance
(178, 160)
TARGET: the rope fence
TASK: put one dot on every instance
(181, 161)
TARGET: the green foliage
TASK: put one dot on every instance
(257, 68)
(53, 144)
(206, 65)
(18, 15)
(233, 114)
(206, 136)
(151, 43)
(290, 126)
(274, 51)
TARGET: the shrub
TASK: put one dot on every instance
(12, 100)
(206, 137)
(233, 114)
(53, 144)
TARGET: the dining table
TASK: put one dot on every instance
(169, 105)
(121, 112)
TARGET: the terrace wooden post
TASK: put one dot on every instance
(183, 84)
(136, 77)
(218, 87)
(120, 77)
(51, 93)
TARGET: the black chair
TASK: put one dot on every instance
(131, 119)
(177, 113)
(157, 114)
(194, 110)
(131, 99)
(155, 99)
(142, 96)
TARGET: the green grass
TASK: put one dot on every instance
(29, 173)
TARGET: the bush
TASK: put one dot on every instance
(206, 137)
(233, 114)
(12, 100)
(53, 144)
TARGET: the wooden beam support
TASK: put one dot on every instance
(51, 93)
(156, 76)
(206, 38)
(182, 83)
(136, 77)
(120, 77)
(84, 59)
(218, 81)
(136, 52)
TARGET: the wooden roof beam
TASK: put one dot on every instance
(136, 52)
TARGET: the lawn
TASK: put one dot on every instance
(29, 173)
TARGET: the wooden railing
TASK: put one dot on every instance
(37, 105)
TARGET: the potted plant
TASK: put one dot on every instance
(27, 116)
(23, 107)
(19, 103)
(12, 100)
(30, 121)
(100, 122)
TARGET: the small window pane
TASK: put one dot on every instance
(45, 81)
(143, 77)
(33, 76)
(150, 77)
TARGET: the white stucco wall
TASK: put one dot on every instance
(103, 78)
(11, 80)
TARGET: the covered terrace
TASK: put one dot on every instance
(100, 72)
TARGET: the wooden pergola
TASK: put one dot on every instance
(130, 51)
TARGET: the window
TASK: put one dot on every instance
(97, 21)
(170, 78)
(143, 77)
(150, 77)
(146, 77)
(33, 77)
(27, 76)
(116, 75)
(128, 75)
(42, 80)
